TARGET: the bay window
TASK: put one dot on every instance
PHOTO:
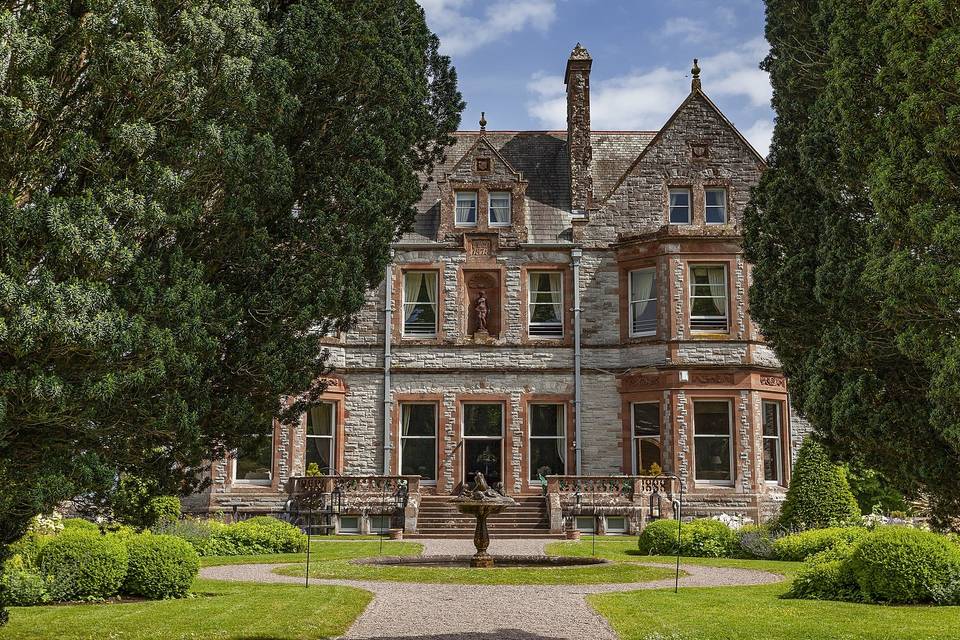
(771, 416)
(418, 441)
(545, 309)
(643, 302)
(420, 303)
(713, 441)
(646, 436)
(708, 298)
(548, 440)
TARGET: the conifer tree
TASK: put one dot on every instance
(819, 494)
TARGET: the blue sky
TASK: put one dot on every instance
(510, 57)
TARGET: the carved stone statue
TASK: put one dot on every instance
(481, 308)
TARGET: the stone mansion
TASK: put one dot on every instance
(568, 304)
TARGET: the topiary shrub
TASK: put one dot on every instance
(708, 538)
(658, 538)
(799, 546)
(819, 495)
(83, 565)
(160, 566)
(907, 566)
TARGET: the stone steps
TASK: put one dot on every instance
(439, 518)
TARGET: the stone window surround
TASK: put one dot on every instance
(335, 393)
(729, 262)
(255, 486)
(448, 206)
(533, 486)
(627, 400)
(737, 471)
(698, 205)
(566, 284)
(487, 398)
(626, 267)
(785, 466)
(398, 279)
(434, 398)
(481, 264)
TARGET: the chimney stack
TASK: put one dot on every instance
(577, 79)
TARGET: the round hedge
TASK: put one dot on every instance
(907, 566)
(707, 538)
(160, 566)
(800, 546)
(659, 538)
(83, 565)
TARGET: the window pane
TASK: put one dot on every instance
(546, 420)
(466, 208)
(771, 460)
(649, 451)
(500, 207)
(320, 452)
(426, 291)
(771, 419)
(418, 419)
(712, 458)
(646, 419)
(255, 462)
(419, 458)
(680, 206)
(643, 301)
(716, 209)
(320, 419)
(711, 418)
(482, 420)
(546, 457)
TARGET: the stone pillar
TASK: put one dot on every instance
(577, 79)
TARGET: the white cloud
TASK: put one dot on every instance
(759, 134)
(461, 33)
(685, 29)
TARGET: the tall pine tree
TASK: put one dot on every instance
(854, 231)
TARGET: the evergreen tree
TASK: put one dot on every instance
(819, 494)
(191, 195)
(854, 231)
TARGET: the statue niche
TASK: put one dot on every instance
(482, 305)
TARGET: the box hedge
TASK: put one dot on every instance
(658, 538)
(82, 565)
(703, 538)
(800, 546)
(160, 566)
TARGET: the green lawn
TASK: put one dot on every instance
(749, 613)
(321, 550)
(220, 611)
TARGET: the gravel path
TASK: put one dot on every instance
(408, 611)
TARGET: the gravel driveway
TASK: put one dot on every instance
(408, 611)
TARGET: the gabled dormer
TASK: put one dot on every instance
(484, 194)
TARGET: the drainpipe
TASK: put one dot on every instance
(387, 337)
(575, 254)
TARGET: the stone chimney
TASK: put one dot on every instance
(577, 79)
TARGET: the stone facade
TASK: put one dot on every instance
(578, 207)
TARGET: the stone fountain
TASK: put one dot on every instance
(481, 501)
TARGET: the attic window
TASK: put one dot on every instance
(483, 165)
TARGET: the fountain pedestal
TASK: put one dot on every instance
(481, 502)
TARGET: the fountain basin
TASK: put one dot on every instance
(453, 562)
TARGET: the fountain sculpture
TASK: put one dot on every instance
(481, 501)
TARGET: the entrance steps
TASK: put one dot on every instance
(439, 518)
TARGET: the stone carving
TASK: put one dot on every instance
(713, 378)
(481, 501)
(773, 381)
(480, 247)
(482, 310)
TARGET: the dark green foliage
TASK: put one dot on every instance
(873, 491)
(819, 495)
(904, 565)
(84, 565)
(160, 566)
(854, 231)
(191, 195)
(800, 546)
(827, 575)
(136, 504)
(659, 538)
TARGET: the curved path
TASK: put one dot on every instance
(409, 611)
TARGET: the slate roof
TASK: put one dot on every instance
(542, 158)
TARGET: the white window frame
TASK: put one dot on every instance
(728, 436)
(332, 438)
(531, 472)
(722, 206)
(490, 196)
(531, 325)
(456, 214)
(436, 411)
(689, 193)
(726, 300)
(260, 482)
(435, 304)
(635, 439)
(632, 303)
(778, 439)
(622, 530)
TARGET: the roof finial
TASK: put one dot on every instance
(483, 122)
(695, 83)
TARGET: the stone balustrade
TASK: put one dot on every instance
(362, 496)
(600, 496)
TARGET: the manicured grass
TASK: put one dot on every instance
(607, 573)
(220, 611)
(322, 550)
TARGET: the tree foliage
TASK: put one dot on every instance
(819, 495)
(191, 195)
(854, 231)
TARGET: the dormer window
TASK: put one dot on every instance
(679, 206)
(499, 209)
(466, 209)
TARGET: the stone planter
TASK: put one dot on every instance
(573, 534)
(396, 534)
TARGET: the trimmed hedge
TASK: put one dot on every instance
(160, 566)
(800, 546)
(701, 538)
(819, 494)
(659, 538)
(907, 566)
(83, 565)
(827, 575)
(259, 535)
